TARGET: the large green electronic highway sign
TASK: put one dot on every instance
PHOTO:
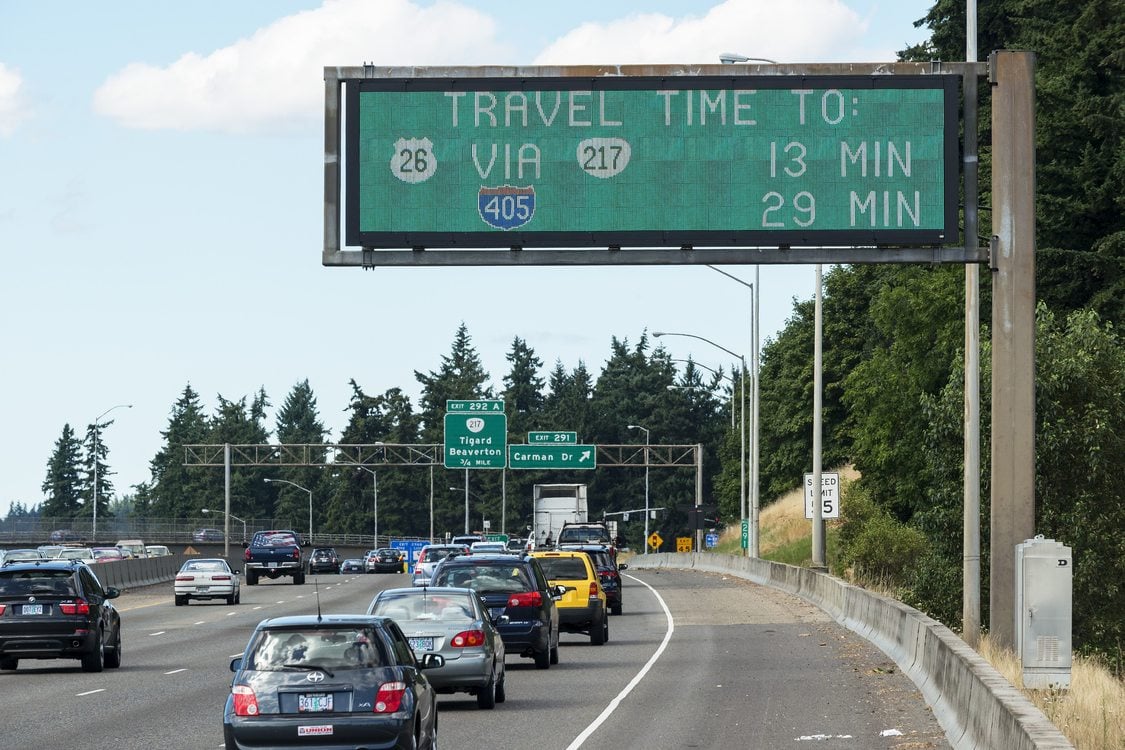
(651, 161)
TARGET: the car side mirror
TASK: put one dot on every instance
(623, 566)
(237, 572)
(501, 620)
(558, 592)
(236, 664)
(111, 592)
(431, 661)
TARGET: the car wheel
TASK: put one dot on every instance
(231, 599)
(501, 691)
(113, 654)
(181, 600)
(95, 660)
(615, 609)
(251, 578)
(238, 595)
(9, 663)
(555, 650)
(543, 659)
(598, 629)
(299, 579)
(486, 696)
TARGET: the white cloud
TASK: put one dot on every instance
(796, 31)
(273, 81)
(12, 107)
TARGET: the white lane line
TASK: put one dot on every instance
(613, 704)
(158, 632)
(231, 614)
(177, 671)
(258, 607)
(201, 622)
(89, 692)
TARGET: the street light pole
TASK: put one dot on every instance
(306, 489)
(639, 427)
(467, 493)
(752, 549)
(97, 426)
(752, 543)
(375, 502)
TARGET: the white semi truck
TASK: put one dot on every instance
(554, 505)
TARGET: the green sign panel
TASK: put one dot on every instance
(451, 162)
(496, 538)
(557, 438)
(482, 405)
(552, 457)
(475, 440)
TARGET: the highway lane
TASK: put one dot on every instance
(739, 665)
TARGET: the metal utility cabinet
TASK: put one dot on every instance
(1044, 582)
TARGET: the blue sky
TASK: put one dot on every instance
(161, 206)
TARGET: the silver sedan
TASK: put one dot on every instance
(452, 622)
(207, 578)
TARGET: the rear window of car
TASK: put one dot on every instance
(563, 568)
(31, 582)
(439, 554)
(592, 534)
(205, 566)
(486, 578)
(410, 605)
(275, 539)
(325, 648)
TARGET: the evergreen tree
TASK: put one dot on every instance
(175, 490)
(95, 449)
(298, 423)
(62, 487)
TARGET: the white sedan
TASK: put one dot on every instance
(207, 578)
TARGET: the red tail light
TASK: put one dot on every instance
(389, 697)
(593, 590)
(245, 702)
(185, 578)
(526, 599)
(246, 555)
(217, 578)
(468, 638)
(2, 608)
(296, 553)
(76, 607)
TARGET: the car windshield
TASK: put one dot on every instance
(350, 647)
(275, 539)
(563, 568)
(422, 605)
(437, 555)
(36, 582)
(76, 554)
(205, 566)
(486, 579)
(593, 534)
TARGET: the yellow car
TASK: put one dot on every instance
(582, 608)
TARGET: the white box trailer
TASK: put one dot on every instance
(554, 505)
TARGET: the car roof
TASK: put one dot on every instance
(426, 590)
(53, 564)
(314, 621)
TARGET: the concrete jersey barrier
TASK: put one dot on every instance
(975, 705)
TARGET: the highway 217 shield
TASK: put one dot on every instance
(506, 207)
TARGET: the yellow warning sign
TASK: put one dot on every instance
(191, 550)
(655, 540)
(683, 544)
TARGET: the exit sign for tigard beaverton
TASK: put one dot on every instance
(676, 161)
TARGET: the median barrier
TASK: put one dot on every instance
(975, 705)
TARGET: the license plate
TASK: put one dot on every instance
(33, 609)
(273, 565)
(314, 702)
(422, 644)
(202, 588)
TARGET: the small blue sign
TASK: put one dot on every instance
(711, 540)
(412, 548)
(507, 206)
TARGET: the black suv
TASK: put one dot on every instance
(608, 571)
(519, 599)
(324, 560)
(57, 610)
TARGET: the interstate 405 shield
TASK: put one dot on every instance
(448, 162)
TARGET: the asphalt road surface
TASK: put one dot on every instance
(697, 660)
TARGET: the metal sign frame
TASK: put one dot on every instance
(637, 248)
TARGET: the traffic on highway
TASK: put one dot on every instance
(695, 660)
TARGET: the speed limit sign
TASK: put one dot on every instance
(829, 495)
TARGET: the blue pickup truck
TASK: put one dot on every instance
(274, 554)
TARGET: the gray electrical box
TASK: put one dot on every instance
(1044, 606)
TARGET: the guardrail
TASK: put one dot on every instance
(975, 705)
